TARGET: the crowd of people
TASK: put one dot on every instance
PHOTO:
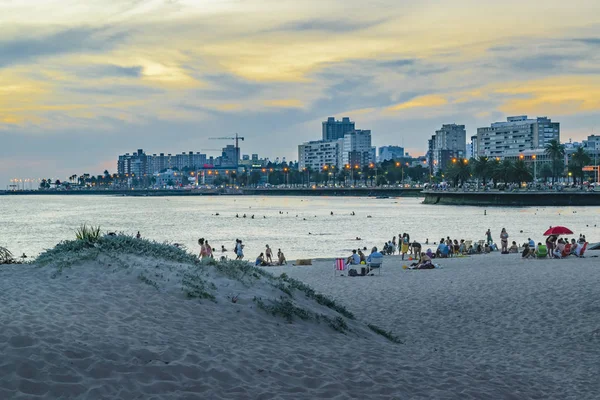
(264, 259)
(555, 247)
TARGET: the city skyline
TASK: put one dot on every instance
(80, 84)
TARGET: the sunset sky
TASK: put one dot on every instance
(84, 81)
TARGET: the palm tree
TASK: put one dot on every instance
(459, 171)
(546, 172)
(521, 172)
(556, 152)
(503, 172)
(579, 159)
(481, 168)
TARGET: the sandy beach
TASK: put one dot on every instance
(113, 323)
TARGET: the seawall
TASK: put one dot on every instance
(518, 199)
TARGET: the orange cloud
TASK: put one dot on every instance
(564, 95)
(284, 103)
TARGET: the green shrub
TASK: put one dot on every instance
(386, 334)
(88, 234)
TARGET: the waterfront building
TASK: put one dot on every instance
(319, 153)
(136, 163)
(390, 153)
(448, 142)
(503, 139)
(334, 130)
(357, 149)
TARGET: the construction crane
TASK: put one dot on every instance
(237, 139)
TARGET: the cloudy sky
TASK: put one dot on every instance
(84, 81)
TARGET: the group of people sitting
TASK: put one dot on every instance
(554, 247)
(262, 261)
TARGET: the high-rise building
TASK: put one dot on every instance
(390, 153)
(136, 163)
(319, 153)
(504, 139)
(333, 130)
(357, 149)
(448, 142)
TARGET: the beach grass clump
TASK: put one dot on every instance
(148, 281)
(319, 298)
(284, 308)
(338, 323)
(6, 257)
(386, 334)
(89, 234)
(195, 287)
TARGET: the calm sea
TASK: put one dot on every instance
(302, 227)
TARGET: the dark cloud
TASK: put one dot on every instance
(502, 48)
(540, 62)
(589, 41)
(76, 40)
(228, 87)
(109, 70)
(397, 63)
(326, 25)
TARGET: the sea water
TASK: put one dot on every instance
(302, 227)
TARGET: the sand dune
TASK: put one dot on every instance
(114, 322)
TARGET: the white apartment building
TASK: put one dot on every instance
(319, 153)
(357, 149)
(448, 142)
(506, 139)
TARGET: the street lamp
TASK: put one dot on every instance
(534, 157)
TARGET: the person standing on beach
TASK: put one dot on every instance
(504, 241)
(138, 236)
(489, 237)
(239, 249)
(269, 254)
(203, 253)
(404, 244)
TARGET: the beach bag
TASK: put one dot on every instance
(352, 272)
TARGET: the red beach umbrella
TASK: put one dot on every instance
(558, 230)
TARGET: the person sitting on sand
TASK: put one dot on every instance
(558, 250)
(471, 250)
(531, 243)
(363, 259)
(574, 246)
(425, 263)
(513, 248)
(354, 259)
(281, 258)
(528, 252)
(442, 250)
(260, 261)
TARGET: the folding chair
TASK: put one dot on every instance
(375, 263)
(339, 265)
